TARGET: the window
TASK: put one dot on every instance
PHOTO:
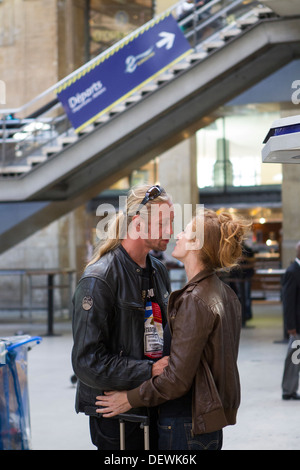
(229, 151)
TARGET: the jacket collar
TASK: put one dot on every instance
(122, 253)
(188, 287)
(200, 276)
(194, 281)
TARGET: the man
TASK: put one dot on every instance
(120, 310)
(291, 310)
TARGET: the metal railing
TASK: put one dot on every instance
(26, 130)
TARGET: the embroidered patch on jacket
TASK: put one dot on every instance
(87, 302)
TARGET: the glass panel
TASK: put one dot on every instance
(229, 151)
(202, 19)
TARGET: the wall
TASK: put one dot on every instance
(41, 42)
(28, 48)
(163, 5)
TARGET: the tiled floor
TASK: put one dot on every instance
(265, 421)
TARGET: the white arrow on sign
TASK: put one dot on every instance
(167, 40)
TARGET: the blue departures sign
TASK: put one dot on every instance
(122, 71)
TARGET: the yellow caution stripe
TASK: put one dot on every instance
(104, 56)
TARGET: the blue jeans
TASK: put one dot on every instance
(176, 434)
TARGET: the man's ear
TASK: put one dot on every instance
(134, 227)
(136, 222)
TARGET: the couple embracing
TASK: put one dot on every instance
(138, 348)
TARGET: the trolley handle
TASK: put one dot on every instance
(37, 339)
(134, 418)
(144, 420)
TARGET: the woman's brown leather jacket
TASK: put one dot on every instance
(205, 323)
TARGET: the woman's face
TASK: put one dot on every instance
(184, 243)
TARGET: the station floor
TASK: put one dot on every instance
(265, 421)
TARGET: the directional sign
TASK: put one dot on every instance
(122, 71)
(167, 41)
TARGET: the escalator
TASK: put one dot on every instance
(53, 169)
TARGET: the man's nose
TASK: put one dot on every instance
(169, 229)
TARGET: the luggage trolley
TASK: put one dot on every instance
(14, 401)
(144, 420)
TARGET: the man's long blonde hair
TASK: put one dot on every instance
(116, 228)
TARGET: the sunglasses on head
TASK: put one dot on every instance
(151, 194)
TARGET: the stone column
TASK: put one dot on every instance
(178, 175)
(71, 40)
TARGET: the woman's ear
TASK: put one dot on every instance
(195, 245)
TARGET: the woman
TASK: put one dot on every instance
(199, 390)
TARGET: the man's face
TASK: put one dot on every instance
(160, 226)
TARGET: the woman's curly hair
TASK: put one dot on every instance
(223, 237)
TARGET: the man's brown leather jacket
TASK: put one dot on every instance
(205, 323)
